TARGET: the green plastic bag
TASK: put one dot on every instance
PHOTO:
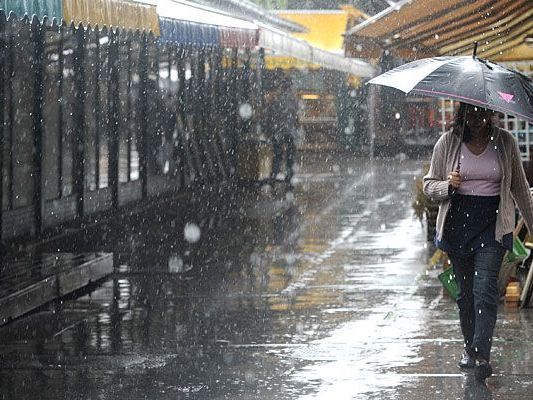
(520, 252)
(447, 279)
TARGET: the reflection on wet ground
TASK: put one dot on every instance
(317, 293)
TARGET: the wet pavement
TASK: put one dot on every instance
(321, 292)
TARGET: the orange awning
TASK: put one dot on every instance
(419, 28)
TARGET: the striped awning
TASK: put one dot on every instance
(117, 13)
(233, 37)
(41, 8)
(190, 33)
(187, 23)
(419, 28)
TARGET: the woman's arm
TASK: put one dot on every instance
(520, 187)
(436, 185)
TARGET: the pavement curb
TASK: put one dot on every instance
(54, 286)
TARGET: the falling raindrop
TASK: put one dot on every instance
(289, 197)
(192, 232)
(245, 111)
(175, 264)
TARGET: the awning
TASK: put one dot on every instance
(282, 44)
(238, 37)
(184, 22)
(419, 28)
(325, 28)
(186, 11)
(41, 8)
(116, 13)
(252, 10)
(191, 33)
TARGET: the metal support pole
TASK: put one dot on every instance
(79, 119)
(260, 75)
(97, 119)
(218, 115)
(372, 118)
(180, 117)
(200, 118)
(192, 111)
(113, 99)
(37, 32)
(247, 89)
(143, 115)
(61, 63)
(129, 131)
(11, 113)
(3, 80)
(234, 96)
(213, 125)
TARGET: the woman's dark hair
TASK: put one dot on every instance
(459, 122)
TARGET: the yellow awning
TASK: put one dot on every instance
(274, 62)
(418, 28)
(116, 13)
(325, 28)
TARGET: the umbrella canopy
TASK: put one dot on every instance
(467, 79)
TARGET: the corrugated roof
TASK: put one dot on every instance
(416, 28)
(41, 8)
(117, 13)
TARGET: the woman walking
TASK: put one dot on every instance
(475, 173)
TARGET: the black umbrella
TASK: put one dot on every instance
(468, 79)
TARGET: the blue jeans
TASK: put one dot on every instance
(477, 277)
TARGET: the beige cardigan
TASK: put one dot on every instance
(514, 183)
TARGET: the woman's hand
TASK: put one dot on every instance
(454, 179)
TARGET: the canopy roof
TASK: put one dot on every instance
(184, 10)
(41, 8)
(184, 22)
(180, 21)
(127, 14)
(119, 13)
(282, 44)
(419, 28)
(202, 35)
(325, 28)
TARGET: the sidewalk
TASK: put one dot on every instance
(327, 299)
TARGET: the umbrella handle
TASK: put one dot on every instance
(475, 50)
(462, 137)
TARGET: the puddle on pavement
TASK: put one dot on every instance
(324, 298)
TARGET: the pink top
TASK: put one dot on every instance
(480, 175)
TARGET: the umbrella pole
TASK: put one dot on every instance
(464, 121)
(462, 138)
